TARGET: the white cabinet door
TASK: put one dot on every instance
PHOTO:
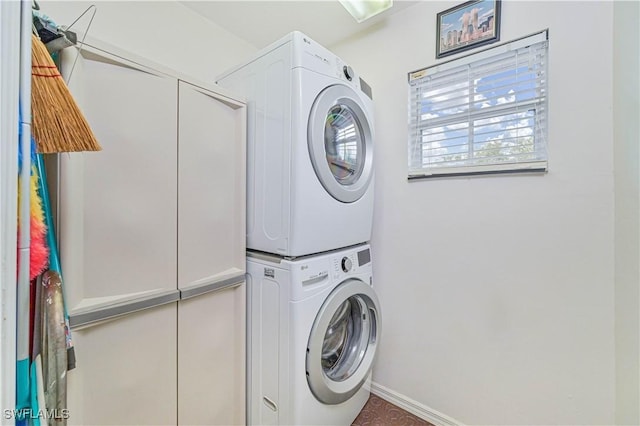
(118, 207)
(117, 215)
(211, 189)
(126, 373)
(211, 256)
(211, 358)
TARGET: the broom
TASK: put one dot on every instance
(57, 122)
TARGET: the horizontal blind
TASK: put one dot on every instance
(485, 114)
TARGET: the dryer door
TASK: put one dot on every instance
(340, 143)
(343, 342)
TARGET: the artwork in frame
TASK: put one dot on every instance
(466, 26)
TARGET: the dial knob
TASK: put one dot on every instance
(348, 72)
(346, 264)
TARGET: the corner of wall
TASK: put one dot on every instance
(627, 210)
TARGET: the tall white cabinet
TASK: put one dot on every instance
(152, 242)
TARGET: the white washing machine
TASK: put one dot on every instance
(309, 149)
(313, 329)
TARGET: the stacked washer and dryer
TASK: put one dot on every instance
(313, 317)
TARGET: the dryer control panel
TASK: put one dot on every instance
(310, 55)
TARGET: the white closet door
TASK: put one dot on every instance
(126, 373)
(118, 207)
(211, 189)
(211, 358)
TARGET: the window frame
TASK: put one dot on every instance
(417, 169)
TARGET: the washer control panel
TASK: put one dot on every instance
(350, 263)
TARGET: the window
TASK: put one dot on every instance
(482, 113)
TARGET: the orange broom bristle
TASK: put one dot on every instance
(58, 123)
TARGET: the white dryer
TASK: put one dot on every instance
(309, 149)
(313, 329)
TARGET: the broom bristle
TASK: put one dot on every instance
(58, 123)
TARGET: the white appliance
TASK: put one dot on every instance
(313, 329)
(309, 149)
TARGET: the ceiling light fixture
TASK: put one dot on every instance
(364, 9)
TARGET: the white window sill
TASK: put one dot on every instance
(444, 172)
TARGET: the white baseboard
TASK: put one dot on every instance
(413, 407)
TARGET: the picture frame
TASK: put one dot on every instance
(467, 26)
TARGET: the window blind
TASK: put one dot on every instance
(483, 113)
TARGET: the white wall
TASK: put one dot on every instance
(626, 133)
(166, 32)
(498, 292)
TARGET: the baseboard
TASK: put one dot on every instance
(413, 407)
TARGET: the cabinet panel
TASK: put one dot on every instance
(126, 371)
(117, 210)
(211, 358)
(211, 187)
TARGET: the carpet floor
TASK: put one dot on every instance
(378, 412)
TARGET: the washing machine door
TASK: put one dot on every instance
(343, 342)
(340, 143)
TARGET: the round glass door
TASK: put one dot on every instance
(340, 143)
(344, 144)
(343, 342)
(346, 340)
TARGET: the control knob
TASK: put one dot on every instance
(348, 72)
(346, 264)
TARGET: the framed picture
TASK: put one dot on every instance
(466, 26)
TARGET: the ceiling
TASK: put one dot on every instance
(262, 22)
